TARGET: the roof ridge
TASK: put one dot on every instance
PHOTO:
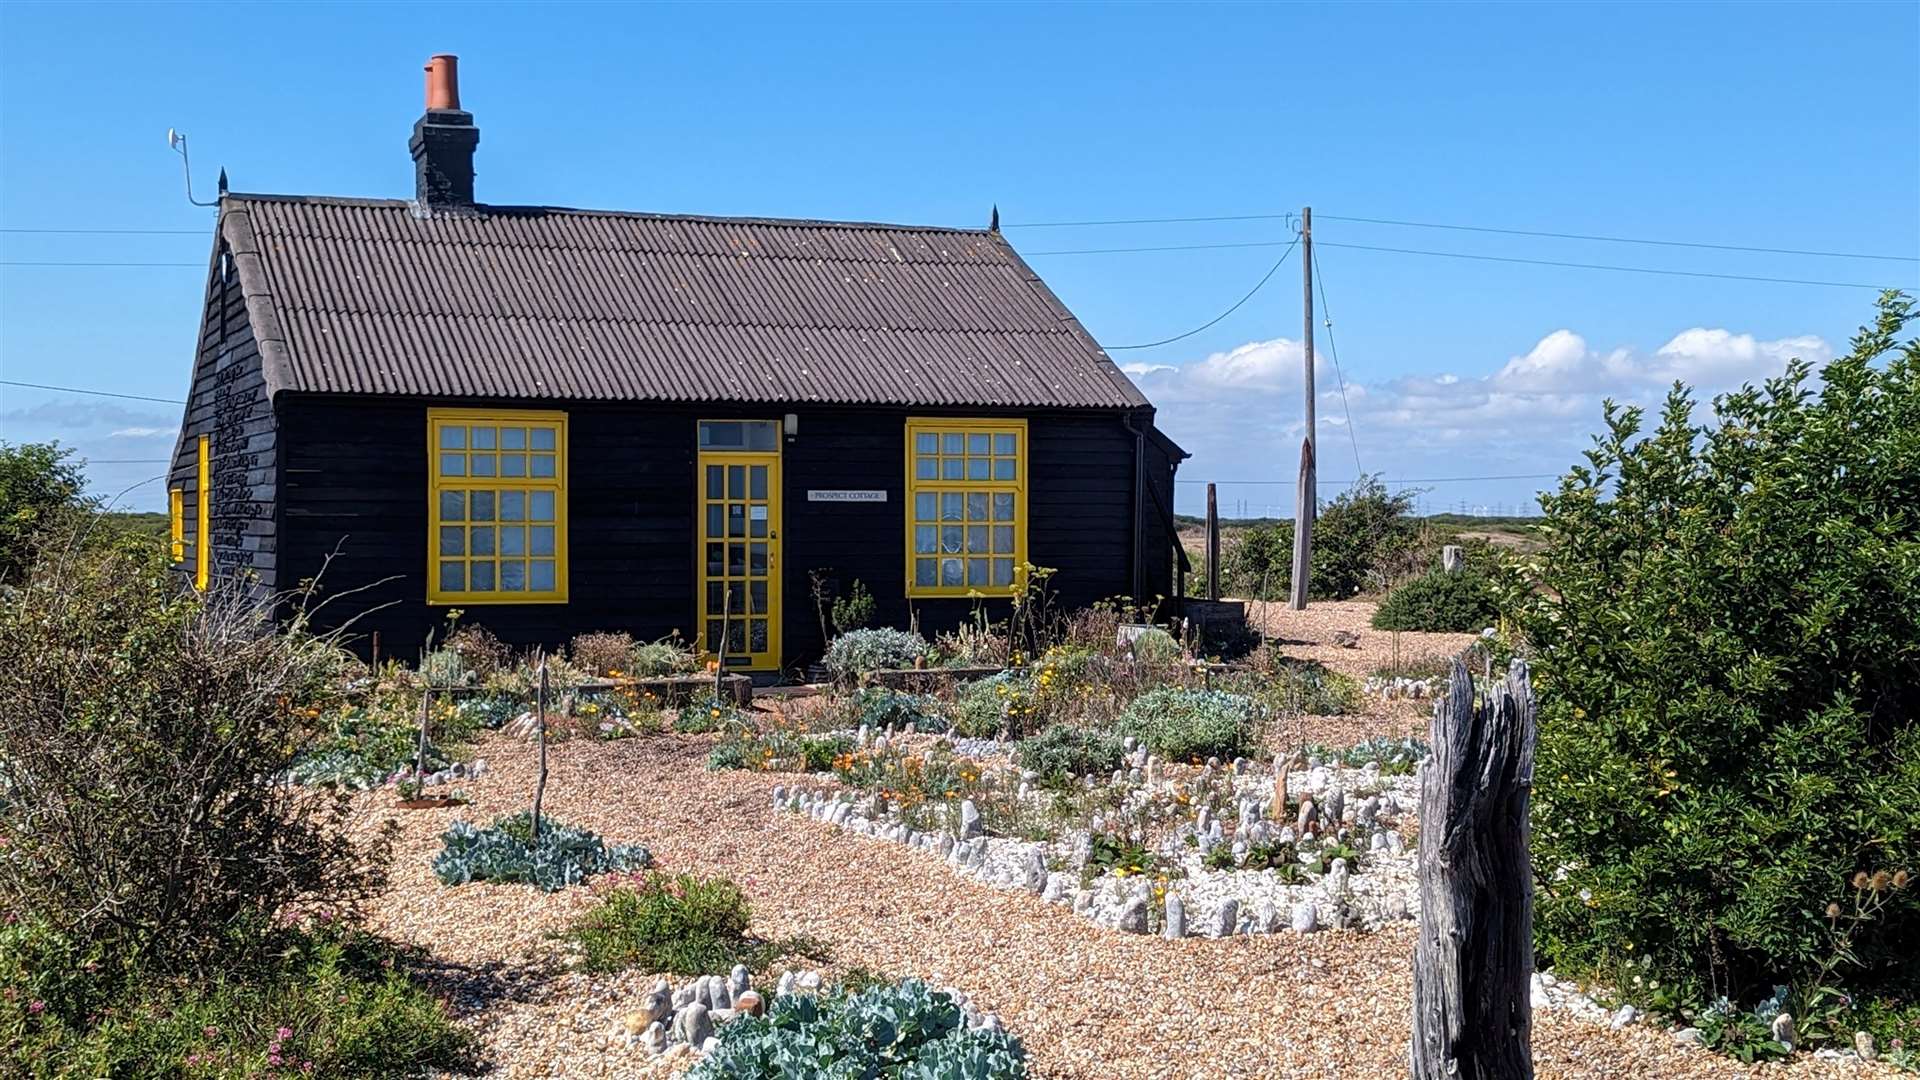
(514, 209)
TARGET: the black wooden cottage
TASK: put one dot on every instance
(566, 420)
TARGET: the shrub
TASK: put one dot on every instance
(146, 736)
(605, 654)
(1724, 628)
(1396, 757)
(363, 746)
(880, 706)
(483, 654)
(443, 668)
(667, 656)
(905, 1030)
(505, 852)
(1304, 687)
(320, 1000)
(38, 485)
(1436, 601)
(707, 714)
(1157, 647)
(998, 705)
(1185, 725)
(1062, 753)
(1357, 538)
(854, 611)
(680, 924)
(779, 750)
(857, 652)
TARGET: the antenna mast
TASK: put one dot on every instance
(177, 142)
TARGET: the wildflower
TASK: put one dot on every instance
(1879, 880)
(283, 1034)
(1861, 880)
(1900, 879)
(36, 1006)
(1833, 911)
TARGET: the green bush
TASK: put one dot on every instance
(1185, 725)
(906, 1031)
(38, 486)
(319, 1000)
(1358, 540)
(1301, 687)
(707, 714)
(879, 707)
(996, 705)
(505, 852)
(858, 652)
(680, 924)
(1436, 601)
(1062, 754)
(1396, 757)
(364, 745)
(1724, 631)
(1156, 646)
(855, 610)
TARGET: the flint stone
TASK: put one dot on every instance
(1863, 1046)
(1176, 924)
(749, 1004)
(1305, 920)
(1266, 918)
(1226, 918)
(1784, 1033)
(1686, 1036)
(655, 1040)
(692, 1025)
(785, 986)
(970, 824)
(1133, 917)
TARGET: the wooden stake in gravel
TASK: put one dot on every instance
(540, 718)
(1472, 963)
(420, 749)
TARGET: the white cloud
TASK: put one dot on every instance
(141, 433)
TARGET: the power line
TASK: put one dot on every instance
(112, 232)
(126, 461)
(1257, 286)
(1604, 266)
(95, 393)
(1333, 351)
(1167, 247)
(11, 262)
(1387, 480)
(1764, 250)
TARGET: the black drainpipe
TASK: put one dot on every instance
(1139, 495)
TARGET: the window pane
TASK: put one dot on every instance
(1003, 444)
(453, 540)
(953, 572)
(953, 468)
(926, 506)
(976, 506)
(453, 577)
(541, 465)
(453, 464)
(543, 438)
(540, 540)
(1003, 539)
(513, 575)
(513, 540)
(736, 560)
(757, 592)
(716, 487)
(953, 443)
(483, 438)
(540, 575)
(513, 438)
(926, 442)
(736, 481)
(951, 537)
(925, 538)
(977, 444)
(756, 482)
(737, 597)
(757, 559)
(762, 435)
(923, 573)
(926, 468)
(513, 464)
(716, 559)
(540, 506)
(1003, 469)
(453, 437)
(736, 519)
(720, 434)
(1003, 506)
(483, 464)
(513, 506)
(716, 592)
(757, 519)
(757, 636)
(481, 539)
(482, 506)
(453, 505)
(978, 467)
(951, 504)
(976, 539)
(976, 571)
(1003, 571)
(482, 577)
(716, 519)
(713, 633)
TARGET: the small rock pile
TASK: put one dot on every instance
(1401, 688)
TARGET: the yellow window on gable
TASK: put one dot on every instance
(203, 516)
(497, 506)
(966, 506)
(176, 525)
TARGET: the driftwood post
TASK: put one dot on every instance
(540, 720)
(420, 749)
(1473, 961)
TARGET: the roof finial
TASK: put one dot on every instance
(223, 180)
(994, 225)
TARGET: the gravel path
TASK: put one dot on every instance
(1089, 1003)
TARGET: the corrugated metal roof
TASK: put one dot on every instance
(372, 297)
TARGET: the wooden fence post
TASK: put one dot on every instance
(1473, 961)
(540, 718)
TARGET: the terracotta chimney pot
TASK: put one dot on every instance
(443, 83)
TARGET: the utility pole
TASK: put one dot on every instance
(1305, 502)
(1213, 545)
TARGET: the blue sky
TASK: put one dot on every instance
(1779, 125)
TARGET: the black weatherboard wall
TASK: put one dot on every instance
(355, 484)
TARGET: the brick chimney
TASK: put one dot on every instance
(443, 141)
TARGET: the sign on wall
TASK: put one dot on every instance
(847, 496)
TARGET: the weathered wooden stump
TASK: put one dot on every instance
(1472, 1015)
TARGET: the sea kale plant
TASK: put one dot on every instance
(904, 1030)
(507, 851)
(1726, 636)
(857, 652)
(1186, 725)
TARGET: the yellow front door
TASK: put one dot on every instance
(740, 557)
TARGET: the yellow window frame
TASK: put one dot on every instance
(176, 525)
(437, 483)
(1016, 485)
(202, 514)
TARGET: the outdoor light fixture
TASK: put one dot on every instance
(792, 424)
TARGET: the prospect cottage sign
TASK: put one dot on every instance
(841, 496)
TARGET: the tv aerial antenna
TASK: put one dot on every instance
(177, 142)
